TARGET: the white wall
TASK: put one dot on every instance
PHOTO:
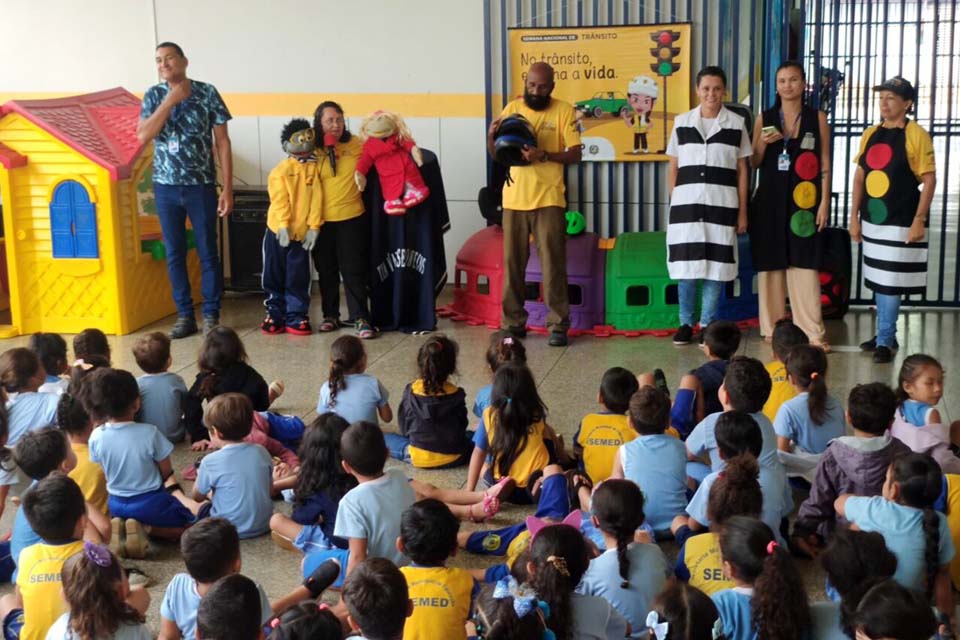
(275, 60)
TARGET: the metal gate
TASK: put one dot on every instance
(859, 44)
(627, 196)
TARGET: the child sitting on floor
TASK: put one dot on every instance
(786, 335)
(136, 460)
(210, 550)
(503, 348)
(442, 596)
(917, 422)
(854, 464)
(55, 509)
(223, 369)
(230, 611)
(745, 387)
(349, 391)
(237, 476)
(377, 600)
(89, 343)
(600, 435)
(162, 393)
(656, 462)
(433, 412)
(51, 350)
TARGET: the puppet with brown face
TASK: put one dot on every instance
(293, 224)
(389, 147)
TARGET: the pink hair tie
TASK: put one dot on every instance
(86, 366)
(508, 340)
(771, 547)
(814, 375)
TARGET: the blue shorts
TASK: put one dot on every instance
(554, 503)
(12, 624)
(154, 508)
(7, 565)
(312, 538)
(683, 412)
(315, 558)
(287, 429)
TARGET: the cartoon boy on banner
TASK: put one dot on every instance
(642, 93)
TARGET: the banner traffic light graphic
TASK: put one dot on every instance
(665, 52)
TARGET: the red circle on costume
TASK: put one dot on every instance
(807, 165)
(878, 156)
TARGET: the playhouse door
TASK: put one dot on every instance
(73, 222)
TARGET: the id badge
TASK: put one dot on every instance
(807, 143)
(173, 145)
(783, 161)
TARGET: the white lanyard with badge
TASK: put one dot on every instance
(807, 143)
(173, 142)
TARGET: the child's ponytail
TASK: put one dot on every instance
(517, 407)
(346, 354)
(437, 361)
(807, 365)
(921, 482)
(221, 348)
(736, 491)
(778, 609)
(560, 558)
(504, 348)
(618, 507)
(90, 588)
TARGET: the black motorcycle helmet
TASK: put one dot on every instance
(512, 135)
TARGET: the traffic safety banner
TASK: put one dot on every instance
(627, 83)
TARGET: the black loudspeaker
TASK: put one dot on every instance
(836, 272)
(245, 227)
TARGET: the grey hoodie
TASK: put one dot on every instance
(850, 464)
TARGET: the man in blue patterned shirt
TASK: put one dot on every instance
(178, 115)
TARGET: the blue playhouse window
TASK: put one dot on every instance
(73, 222)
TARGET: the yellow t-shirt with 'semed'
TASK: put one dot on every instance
(89, 477)
(780, 391)
(39, 581)
(540, 184)
(341, 197)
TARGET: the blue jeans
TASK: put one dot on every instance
(398, 446)
(198, 202)
(888, 309)
(709, 303)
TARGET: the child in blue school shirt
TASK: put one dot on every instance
(349, 392)
(503, 348)
(369, 514)
(21, 375)
(769, 599)
(162, 392)
(236, 477)
(745, 387)
(51, 350)
(210, 550)
(628, 574)
(813, 418)
(655, 461)
(904, 515)
(736, 434)
(135, 458)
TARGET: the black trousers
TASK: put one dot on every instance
(343, 248)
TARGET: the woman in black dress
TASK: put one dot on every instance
(791, 148)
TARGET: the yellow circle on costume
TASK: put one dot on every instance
(805, 194)
(877, 184)
(491, 542)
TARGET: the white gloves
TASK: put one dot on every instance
(283, 237)
(310, 240)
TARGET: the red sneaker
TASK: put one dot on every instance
(301, 328)
(270, 327)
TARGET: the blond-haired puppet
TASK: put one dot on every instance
(389, 147)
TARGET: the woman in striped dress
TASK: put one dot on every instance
(708, 174)
(889, 212)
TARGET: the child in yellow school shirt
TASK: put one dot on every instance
(786, 335)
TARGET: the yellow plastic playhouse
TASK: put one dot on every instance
(83, 245)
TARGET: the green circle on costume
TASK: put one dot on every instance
(491, 542)
(803, 223)
(877, 210)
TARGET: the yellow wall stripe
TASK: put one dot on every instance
(411, 105)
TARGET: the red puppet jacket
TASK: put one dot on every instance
(394, 165)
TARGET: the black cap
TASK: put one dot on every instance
(899, 86)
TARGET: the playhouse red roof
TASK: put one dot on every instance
(101, 126)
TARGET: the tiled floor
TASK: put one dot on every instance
(568, 380)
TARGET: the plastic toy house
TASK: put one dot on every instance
(478, 281)
(739, 299)
(82, 236)
(640, 294)
(586, 266)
